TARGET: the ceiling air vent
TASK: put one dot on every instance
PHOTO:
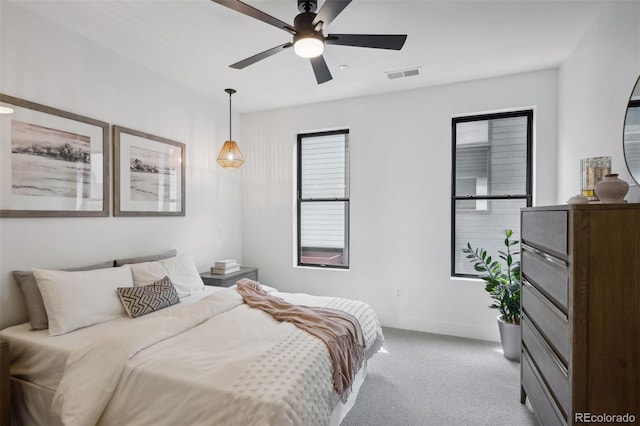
(403, 73)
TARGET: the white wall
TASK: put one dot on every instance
(400, 197)
(400, 168)
(44, 63)
(595, 83)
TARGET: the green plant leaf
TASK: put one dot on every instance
(503, 286)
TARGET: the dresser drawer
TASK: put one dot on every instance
(552, 323)
(546, 230)
(538, 395)
(550, 367)
(550, 276)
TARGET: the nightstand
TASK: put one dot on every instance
(228, 280)
(5, 400)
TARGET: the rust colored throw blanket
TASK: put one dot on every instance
(340, 331)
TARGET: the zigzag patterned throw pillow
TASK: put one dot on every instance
(139, 301)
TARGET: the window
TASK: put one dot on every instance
(491, 181)
(323, 199)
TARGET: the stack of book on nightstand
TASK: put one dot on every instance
(223, 267)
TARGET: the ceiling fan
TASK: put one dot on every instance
(308, 38)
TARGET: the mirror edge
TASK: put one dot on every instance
(624, 124)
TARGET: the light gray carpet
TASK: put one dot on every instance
(428, 379)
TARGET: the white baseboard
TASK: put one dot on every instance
(480, 332)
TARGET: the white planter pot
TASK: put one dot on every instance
(510, 336)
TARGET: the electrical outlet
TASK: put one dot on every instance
(398, 292)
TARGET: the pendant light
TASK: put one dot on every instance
(230, 156)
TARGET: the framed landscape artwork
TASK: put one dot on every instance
(53, 163)
(149, 174)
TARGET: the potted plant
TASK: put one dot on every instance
(503, 285)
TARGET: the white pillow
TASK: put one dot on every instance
(82, 298)
(180, 269)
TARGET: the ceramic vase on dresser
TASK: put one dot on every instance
(611, 189)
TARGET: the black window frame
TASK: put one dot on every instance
(528, 196)
(300, 200)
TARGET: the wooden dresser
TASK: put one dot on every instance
(581, 312)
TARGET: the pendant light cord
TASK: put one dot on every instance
(230, 92)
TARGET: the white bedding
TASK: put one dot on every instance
(39, 358)
(236, 366)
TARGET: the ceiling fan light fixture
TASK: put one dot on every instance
(309, 46)
(308, 34)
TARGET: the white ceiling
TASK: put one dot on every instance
(194, 42)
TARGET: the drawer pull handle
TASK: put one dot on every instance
(546, 256)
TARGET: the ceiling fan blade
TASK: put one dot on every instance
(329, 10)
(320, 69)
(245, 9)
(260, 56)
(376, 41)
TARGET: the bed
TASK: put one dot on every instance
(209, 359)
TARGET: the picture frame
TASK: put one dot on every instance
(149, 174)
(53, 163)
(592, 170)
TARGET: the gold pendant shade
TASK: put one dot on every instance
(230, 156)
